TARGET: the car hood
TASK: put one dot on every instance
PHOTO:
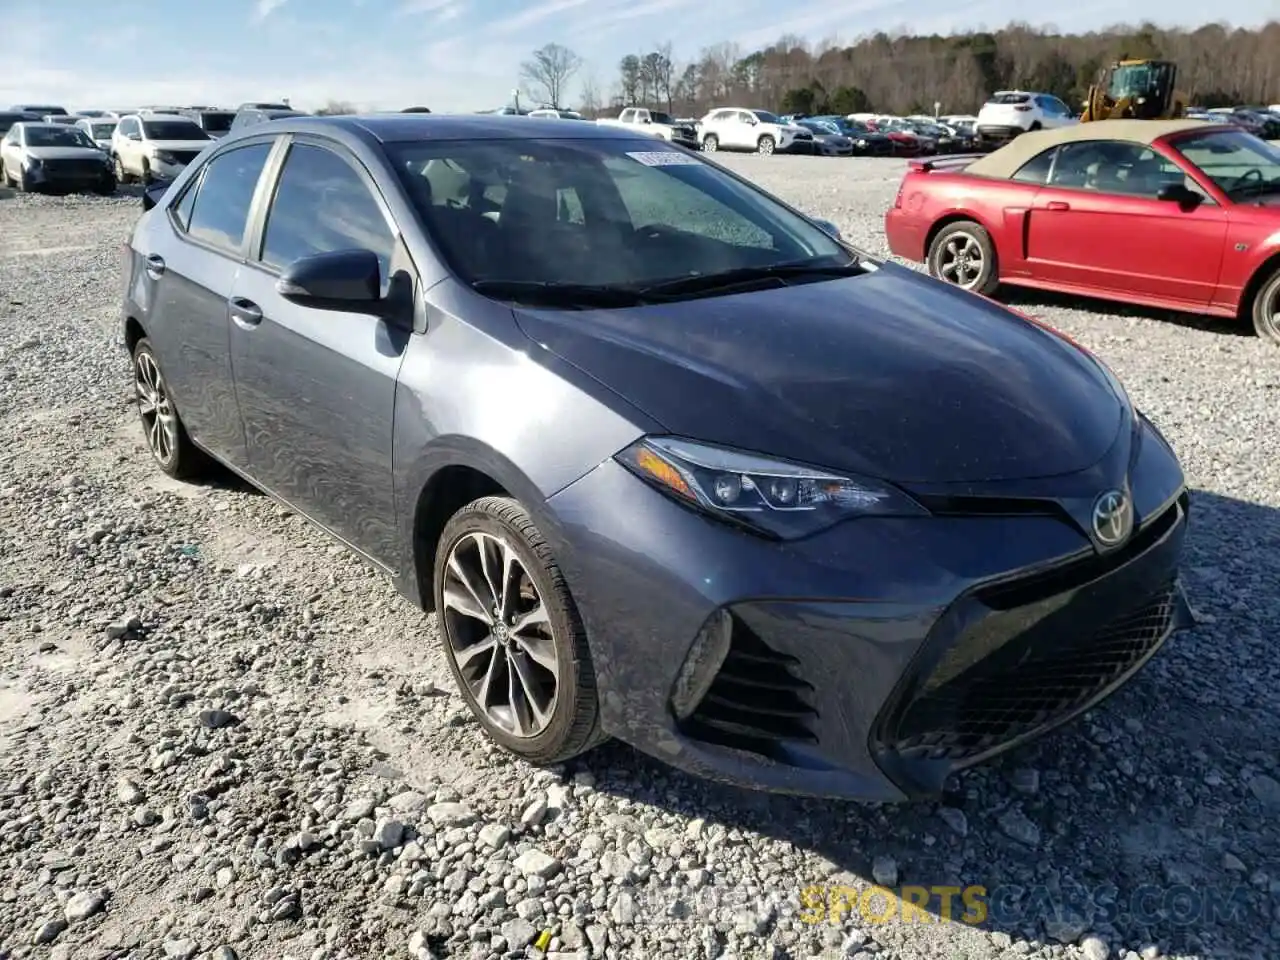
(63, 153)
(890, 374)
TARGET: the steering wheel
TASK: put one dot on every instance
(1247, 177)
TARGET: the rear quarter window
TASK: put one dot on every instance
(1036, 170)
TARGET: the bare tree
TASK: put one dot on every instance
(548, 73)
(591, 100)
(334, 108)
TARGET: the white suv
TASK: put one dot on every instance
(155, 146)
(730, 128)
(1011, 112)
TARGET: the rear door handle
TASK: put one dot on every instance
(155, 266)
(1057, 205)
(245, 312)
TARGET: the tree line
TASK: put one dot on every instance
(1217, 66)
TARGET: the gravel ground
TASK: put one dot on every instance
(222, 736)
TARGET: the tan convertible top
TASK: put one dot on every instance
(1008, 160)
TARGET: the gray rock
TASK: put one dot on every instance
(389, 834)
(1266, 790)
(359, 809)
(518, 933)
(83, 905)
(1015, 825)
(955, 818)
(536, 863)
(48, 931)
(884, 870)
(128, 791)
(450, 814)
(495, 835)
(217, 719)
(180, 949)
(1095, 948)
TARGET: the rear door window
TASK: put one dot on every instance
(220, 210)
(1036, 170)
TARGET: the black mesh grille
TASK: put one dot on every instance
(74, 167)
(968, 709)
(184, 156)
(757, 701)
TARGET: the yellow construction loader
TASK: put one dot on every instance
(1138, 90)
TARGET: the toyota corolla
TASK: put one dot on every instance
(668, 459)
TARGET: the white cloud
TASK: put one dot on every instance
(265, 8)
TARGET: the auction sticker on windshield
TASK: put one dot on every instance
(664, 158)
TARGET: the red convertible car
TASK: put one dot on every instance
(1179, 214)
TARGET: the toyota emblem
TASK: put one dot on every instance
(1112, 518)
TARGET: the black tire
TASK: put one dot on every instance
(180, 458)
(574, 725)
(710, 143)
(965, 235)
(147, 179)
(1265, 310)
(766, 145)
(122, 175)
(1034, 126)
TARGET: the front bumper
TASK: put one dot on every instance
(86, 176)
(872, 660)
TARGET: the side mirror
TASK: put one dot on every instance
(829, 228)
(1178, 193)
(154, 193)
(346, 280)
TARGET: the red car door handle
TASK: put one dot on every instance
(1057, 205)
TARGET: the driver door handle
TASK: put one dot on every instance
(155, 266)
(1057, 205)
(244, 312)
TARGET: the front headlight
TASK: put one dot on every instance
(778, 498)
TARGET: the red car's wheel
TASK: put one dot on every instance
(962, 254)
(1266, 309)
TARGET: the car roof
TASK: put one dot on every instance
(1009, 159)
(408, 127)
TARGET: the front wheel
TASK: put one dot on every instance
(1266, 310)
(711, 143)
(962, 254)
(512, 635)
(766, 146)
(122, 175)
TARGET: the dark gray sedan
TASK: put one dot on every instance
(668, 460)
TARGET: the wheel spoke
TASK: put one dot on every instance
(509, 588)
(541, 650)
(490, 568)
(470, 603)
(484, 689)
(537, 617)
(466, 655)
(526, 712)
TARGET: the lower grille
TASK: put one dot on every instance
(183, 156)
(74, 168)
(1025, 685)
(757, 701)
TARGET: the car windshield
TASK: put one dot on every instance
(216, 122)
(103, 131)
(1241, 164)
(57, 136)
(613, 214)
(764, 116)
(173, 130)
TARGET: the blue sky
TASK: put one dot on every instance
(446, 54)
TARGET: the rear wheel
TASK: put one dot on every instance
(962, 254)
(1035, 125)
(1266, 310)
(711, 143)
(165, 434)
(766, 145)
(512, 635)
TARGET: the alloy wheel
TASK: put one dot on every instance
(159, 422)
(962, 261)
(500, 635)
(1271, 313)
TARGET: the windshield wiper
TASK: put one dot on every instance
(741, 276)
(554, 293)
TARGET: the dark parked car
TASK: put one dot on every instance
(248, 116)
(216, 123)
(866, 142)
(668, 460)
